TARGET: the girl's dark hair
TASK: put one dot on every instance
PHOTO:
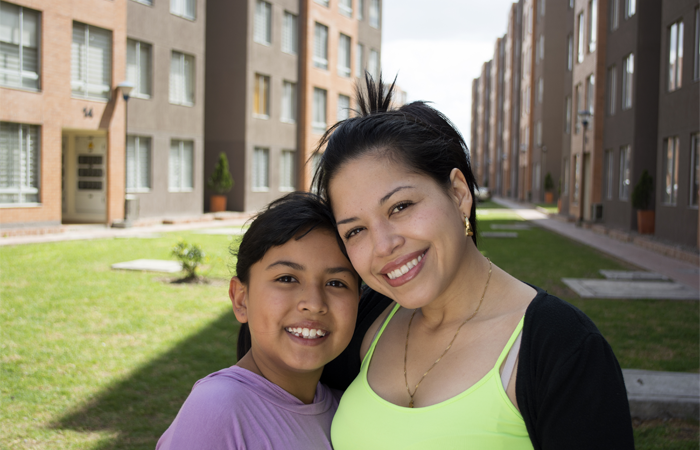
(291, 217)
(415, 135)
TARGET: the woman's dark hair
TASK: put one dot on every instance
(291, 217)
(415, 135)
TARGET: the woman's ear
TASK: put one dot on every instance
(238, 293)
(460, 191)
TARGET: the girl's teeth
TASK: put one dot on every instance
(306, 333)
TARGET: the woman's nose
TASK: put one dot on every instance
(385, 240)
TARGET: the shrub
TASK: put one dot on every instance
(548, 182)
(221, 180)
(641, 196)
(191, 257)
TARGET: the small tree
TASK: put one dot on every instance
(643, 191)
(548, 182)
(191, 257)
(221, 180)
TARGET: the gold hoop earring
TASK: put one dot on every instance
(468, 227)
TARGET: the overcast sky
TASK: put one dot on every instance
(438, 47)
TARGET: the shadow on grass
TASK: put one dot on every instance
(139, 409)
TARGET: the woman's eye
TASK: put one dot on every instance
(286, 279)
(352, 233)
(400, 207)
(336, 283)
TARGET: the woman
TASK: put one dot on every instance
(451, 351)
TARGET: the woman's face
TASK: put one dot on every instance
(404, 233)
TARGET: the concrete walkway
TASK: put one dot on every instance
(677, 270)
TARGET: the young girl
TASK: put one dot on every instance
(296, 295)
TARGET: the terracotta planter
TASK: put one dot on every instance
(645, 221)
(217, 203)
(559, 205)
(549, 197)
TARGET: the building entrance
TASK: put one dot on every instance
(84, 177)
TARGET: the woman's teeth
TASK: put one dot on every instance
(306, 333)
(404, 269)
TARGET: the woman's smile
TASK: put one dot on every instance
(404, 269)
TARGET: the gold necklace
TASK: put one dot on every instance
(408, 331)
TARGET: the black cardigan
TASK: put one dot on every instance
(570, 389)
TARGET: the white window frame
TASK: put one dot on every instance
(343, 108)
(570, 53)
(670, 157)
(373, 64)
(136, 74)
(694, 184)
(260, 173)
(567, 170)
(345, 7)
(577, 107)
(630, 8)
(374, 13)
(320, 57)
(27, 79)
(319, 112)
(359, 52)
(287, 170)
(627, 81)
(577, 178)
(614, 14)
(540, 90)
(178, 156)
(675, 56)
(625, 181)
(592, 25)
(581, 37)
(609, 173)
(84, 86)
(261, 96)
(290, 33)
(289, 102)
(187, 9)
(538, 133)
(262, 26)
(344, 55)
(360, 9)
(144, 2)
(567, 114)
(323, 2)
(590, 93)
(612, 89)
(135, 176)
(22, 166)
(180, 89)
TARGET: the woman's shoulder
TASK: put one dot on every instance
(548, 314)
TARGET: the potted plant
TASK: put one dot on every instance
(220, 182)
(641, 201)
(548, 188)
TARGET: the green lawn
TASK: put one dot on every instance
(92, 358)
(551, 208)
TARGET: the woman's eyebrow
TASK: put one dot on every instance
(291, 264)
(381, 202)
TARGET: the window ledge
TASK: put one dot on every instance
(140, 96)
(138, 191)
(189, 105)
(20, 205)
(181, 191)
(287, 189)
(261, 116)
(290, 121)
(22, 89)
(191, 19)
(266, 44)
(90, 99)
(261, 189)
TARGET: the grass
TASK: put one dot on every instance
(550, 208)
(92, 358)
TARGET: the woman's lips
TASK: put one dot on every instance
(404, 269)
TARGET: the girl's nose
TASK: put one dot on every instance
(313, 301)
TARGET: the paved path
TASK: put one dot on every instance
(677, 270)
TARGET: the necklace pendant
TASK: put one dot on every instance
(410, 404)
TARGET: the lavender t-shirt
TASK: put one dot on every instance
(235, 408)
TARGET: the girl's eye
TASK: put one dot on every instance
(286, 279)
(352, 233)
(400, 207)
(336, 283)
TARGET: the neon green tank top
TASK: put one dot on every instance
(482, 417)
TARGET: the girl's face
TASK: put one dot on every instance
(404, 233)
(300, 303)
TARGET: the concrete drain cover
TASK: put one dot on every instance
(662, 394)
(631, 275)
(150, 265)
(656, 290)
(515, 226)
(226, 231)
(498, 234)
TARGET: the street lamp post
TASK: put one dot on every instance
(126, 87)
(585, 117)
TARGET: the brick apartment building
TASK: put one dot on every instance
(285, 71)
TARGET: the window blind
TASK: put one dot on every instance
(181, 79)
(19, 46)
(180, 166)
(289, 102)
(287, 168)
(19, 163)
(343, 107)
(138, 67)
(358, 60)
(320, 59)
(344, 55)
(260, 169)
(138, 163)
(289, 34)
(263, 22)
(91, 62)
(318, 124)
(183, 8)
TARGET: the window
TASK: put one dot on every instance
(344, 55)
(19, 163)
(180, 166)
(590, 93)
(577, 177)
(612, 89)
(289, 102)
(675, 55)
(567, 122)
(540, 7)
(261, 96)
(262, 32)
(538, 133)
(91, 62)
(536, 176)
(614, 14)
(374, 13)
(630, 8)
(261, 164)
(524, 138)
(577, 96)
(360, 9)
(183, 8)
(567, 169)
(290, 42)
(138, 164)
(138, 67)
(359, 71)
(318, 123)
(570, 53)
(540, 90)
(696, 71)
(181, 79)
(321, 46)
(19, 46)
(627, 81)
(145, 2)
(343, 107)
(287, 170)
(624, 189)
(609, 158)
(695, 170)
(671, 170)
(322, 2)
(526, 99)
(373, 64)
(580, 38)
(345, 7)
(539, 50)
(592, 24)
